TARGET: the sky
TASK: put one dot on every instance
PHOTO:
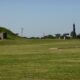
(39, 17)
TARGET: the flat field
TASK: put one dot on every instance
(40, 60)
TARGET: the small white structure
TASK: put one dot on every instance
(3, 35)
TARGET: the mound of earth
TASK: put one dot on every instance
(10, 34)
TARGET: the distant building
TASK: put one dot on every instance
(3, 35)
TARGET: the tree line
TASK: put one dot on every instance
(71, 35)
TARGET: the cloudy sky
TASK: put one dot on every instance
(38, 17)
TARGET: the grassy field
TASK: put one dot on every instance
(40, 60)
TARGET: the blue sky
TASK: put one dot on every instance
(39, 17)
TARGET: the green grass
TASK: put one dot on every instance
(40, 60)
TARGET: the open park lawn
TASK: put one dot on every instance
(40, 60)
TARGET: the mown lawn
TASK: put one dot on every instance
(40, 60)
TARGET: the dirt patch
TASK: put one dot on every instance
(61, 48)
(71, 47)
(53, 48)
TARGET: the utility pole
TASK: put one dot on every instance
(44, 34)
(22, 29)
